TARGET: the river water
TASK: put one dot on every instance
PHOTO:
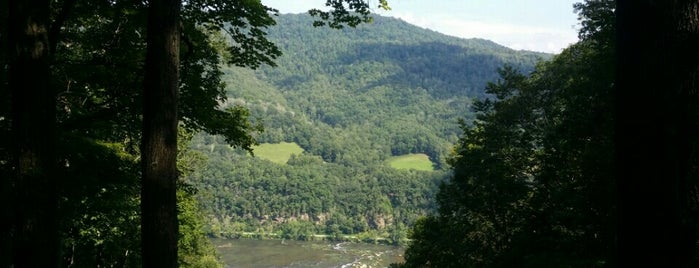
(246, 253)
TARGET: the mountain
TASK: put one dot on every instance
(351, 99)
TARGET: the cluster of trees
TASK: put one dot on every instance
(571, 166)
(93, 94)
(308, 196)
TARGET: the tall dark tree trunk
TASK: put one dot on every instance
(35, 237)
(656, 100)
(159, 146)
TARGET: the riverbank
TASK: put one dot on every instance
(290, 253)
(367, 238)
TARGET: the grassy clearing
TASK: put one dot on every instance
(277, 152)
(411, 161)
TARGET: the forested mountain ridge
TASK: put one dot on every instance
(351, 99)
(386, 75)
(392, 52)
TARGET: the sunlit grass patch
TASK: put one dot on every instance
(277, 152)
(411, 161)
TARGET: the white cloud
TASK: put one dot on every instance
(526, 37)
(551, 38)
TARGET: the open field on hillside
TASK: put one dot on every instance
(277, 152)
(411, 161)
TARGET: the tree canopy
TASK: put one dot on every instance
(533, 180)
(87, 87)
(568, 166)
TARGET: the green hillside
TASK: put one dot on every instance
(351, 99)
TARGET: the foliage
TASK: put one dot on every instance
(100, 207)
(533, 174)
(98, 72)
(350, 12)
(97, 60)
(99, 204)
(195, 248)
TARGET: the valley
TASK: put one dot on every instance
(359, 124)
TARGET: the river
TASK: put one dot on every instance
(277, 253)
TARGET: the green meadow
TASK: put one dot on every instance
(411, 161)
(277, 152)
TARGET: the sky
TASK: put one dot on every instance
(537, 25)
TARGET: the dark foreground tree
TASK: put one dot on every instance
(35, 238)
(159, 226)
(657, 104)
(160, 100)
(98, 64)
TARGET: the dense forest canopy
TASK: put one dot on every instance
(351, 99)
(400, 81)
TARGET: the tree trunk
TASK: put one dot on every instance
(656, 100)
(159, 145)
(35, 236)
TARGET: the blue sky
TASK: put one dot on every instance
(538, 25)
